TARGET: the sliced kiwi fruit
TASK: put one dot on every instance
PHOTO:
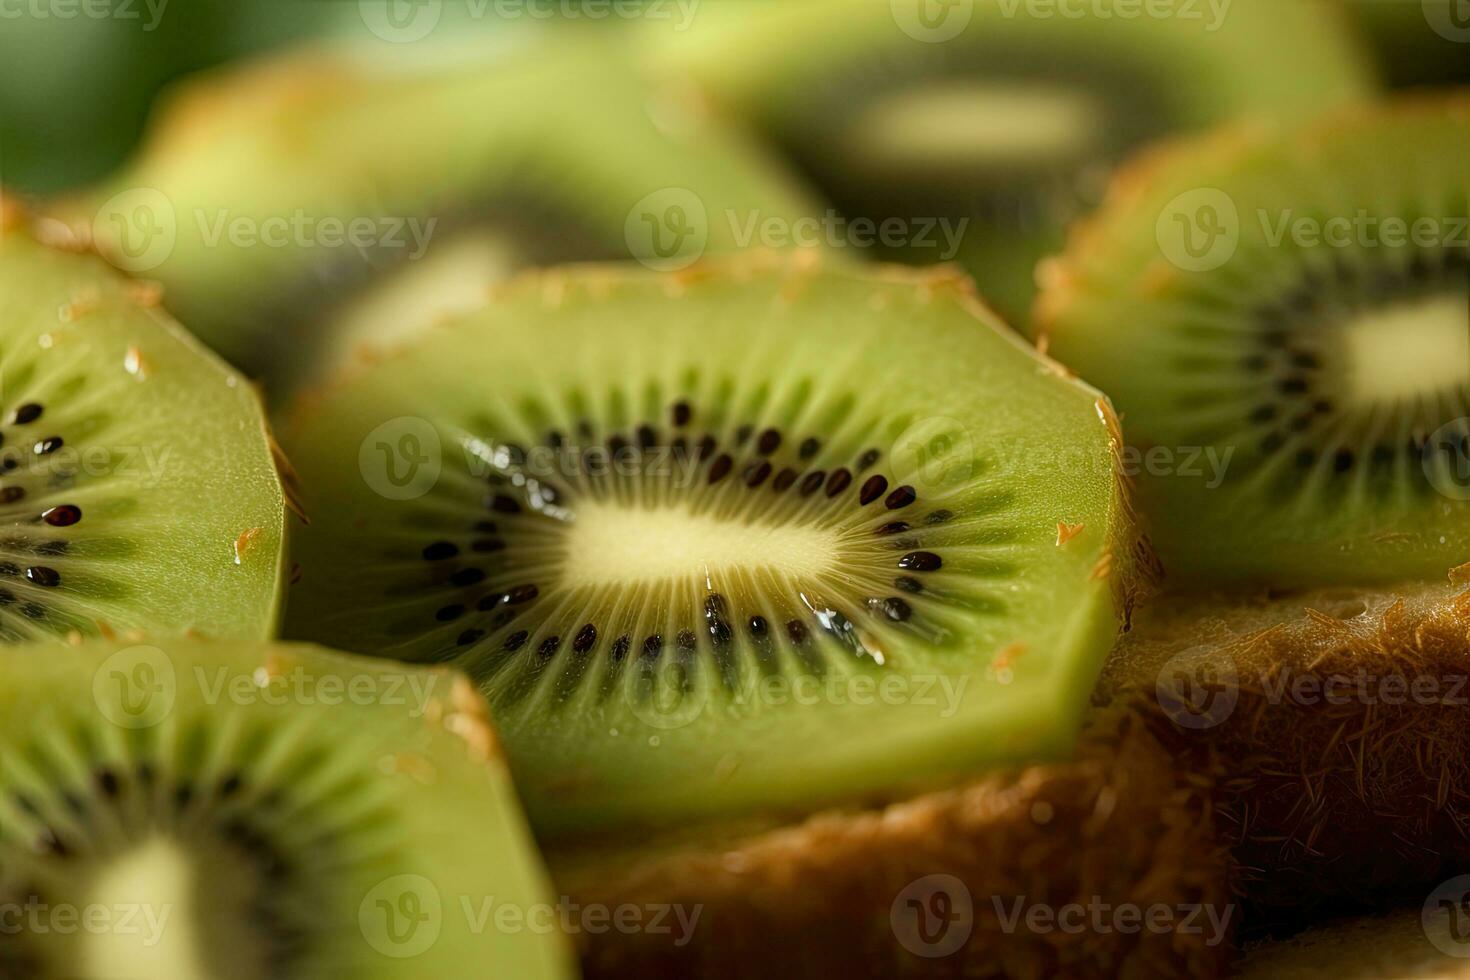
(138, 485)
(749, 538)
(1001, 118)
(208, 809)
(1335, 724)
(927, 886)
(282, 192)
(1283, 317)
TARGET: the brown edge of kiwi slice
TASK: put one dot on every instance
(1323, 800)
(841, 892)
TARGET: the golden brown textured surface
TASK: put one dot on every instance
(1120, 826)
(1339, 721)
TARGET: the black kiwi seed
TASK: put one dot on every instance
(867, 459)
(48, 445)
(920, 561)
(440, 551)
(28, 413)
(585, 638)
(43, 576)
(1263, 414)
(487, 545)
(893, 527)
(908, 584)
(900, 497)
(647, 438)
(756, 473)
(769, 442)
(1343, 460)
(706, 448)
(11, 495)
(516, 640)
(809, 448)
(682, 414)
(939, 517)
(812, 482)
(798, 633)
(742, 434)
(548, 647)
(838, 482)
(522, 594)
(504, 504)
(872, 489)
(784, 480)
(652, 647)
(106, 781)
(470, 636)
(620, 648)
(467, 576)
(893, 607)
(720, 468)
(449, 613)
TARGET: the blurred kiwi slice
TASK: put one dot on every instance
(286, 190)
(1290, 310)
(246, 810)
(1418, 42)
(784, 536)
(138, 488)
(996, 122)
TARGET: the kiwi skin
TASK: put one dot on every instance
(1120, 823)
(1319, 802)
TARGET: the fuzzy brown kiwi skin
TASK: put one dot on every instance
(1322, 802)
(1118, 824)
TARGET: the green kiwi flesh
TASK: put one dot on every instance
(784, 536)
(251, 811)
(1002, 119)
(138, 486)
(259, 173)
(1321, 384)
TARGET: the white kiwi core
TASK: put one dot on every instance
(1399, 352)
(617, 544)
(979, 124)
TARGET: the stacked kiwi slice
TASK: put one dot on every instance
(1289, 309)
(337, 199)
(138, 485)
(795, 536)
(199, 810)
(983, 127)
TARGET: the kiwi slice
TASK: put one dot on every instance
(755, 536)
(1001, 119)
(1420, 944)
(270, 199)
(1116, 826)
(138, 488)
(1335, 724)
(243, 810)
(1283, 316)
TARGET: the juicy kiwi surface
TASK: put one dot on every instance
(1299, 406)
(755, 536)
(243, 810)
(1002, 115)
(244, 198)
(138, 488)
